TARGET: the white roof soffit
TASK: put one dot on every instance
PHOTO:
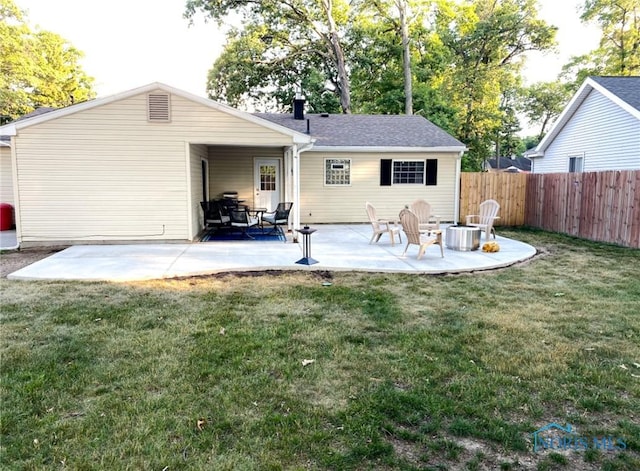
(8, 130)
(11, 128)
(583, 92)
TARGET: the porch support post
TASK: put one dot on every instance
(295, 154)
(16, 192)
(190, 220)
(288, 180)
(456, 207)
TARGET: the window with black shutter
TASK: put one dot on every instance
(385, 172)
(431, 177)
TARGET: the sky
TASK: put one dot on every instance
(131, 43)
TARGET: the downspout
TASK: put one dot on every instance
(296, 185)
(456, 209)
(295, 169)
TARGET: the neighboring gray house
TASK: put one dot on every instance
(598, 130)
(508, 165)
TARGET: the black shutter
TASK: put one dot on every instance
(431, 176)
(385, 172)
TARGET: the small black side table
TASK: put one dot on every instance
(306, 259)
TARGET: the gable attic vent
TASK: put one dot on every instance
(158, 107)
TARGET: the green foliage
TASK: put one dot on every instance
(254, 72)
(37, 68)
(288, 44)
(486, 40)
(464, 60)
(620, 42)
(530, 142)
(543, 102)
(619, 51)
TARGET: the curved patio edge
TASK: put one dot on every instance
(336, 247)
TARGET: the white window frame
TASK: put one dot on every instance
(393, 171)
(336, 161)
(576, 158)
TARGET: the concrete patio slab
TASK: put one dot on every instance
(8, 240)
(335, 247)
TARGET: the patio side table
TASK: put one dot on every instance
(306, 259)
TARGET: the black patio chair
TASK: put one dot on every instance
(215, 215)
(278, 218)
(241, 219)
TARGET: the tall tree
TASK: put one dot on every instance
(37, 68)
(398, 16)
(508, 142)
(618, 53)
(393, 58)
(453, 59)
(247, 74)
(620, 42)
(303, 28)
(486, 40)
(403, 12)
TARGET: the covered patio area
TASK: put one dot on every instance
(335, 247)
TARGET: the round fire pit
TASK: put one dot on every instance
(464, 238)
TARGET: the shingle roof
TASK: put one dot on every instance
(625, 88)
(36, 112)
(352, 130)
(521, 163)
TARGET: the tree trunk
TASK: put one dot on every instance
(344, 87)
(406, 57)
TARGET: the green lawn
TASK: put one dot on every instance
(328, 371)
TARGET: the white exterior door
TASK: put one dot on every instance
(267, 183)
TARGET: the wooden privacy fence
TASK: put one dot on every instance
(600, 206)
(508, 189)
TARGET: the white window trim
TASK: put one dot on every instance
(424, 171)
(324, 172)
(579, 155)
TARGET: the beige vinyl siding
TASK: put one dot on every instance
(6, 176)
(106, 173)
(232, 169)
(346, 204)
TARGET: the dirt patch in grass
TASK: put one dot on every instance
(14, 260)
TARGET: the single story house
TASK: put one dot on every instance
(135, 166)
(598, 130)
